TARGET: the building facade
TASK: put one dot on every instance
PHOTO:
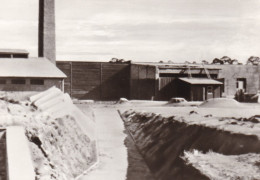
(152, 81)
(29, 74)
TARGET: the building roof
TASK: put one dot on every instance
(13, 51)
(29, 67)
(177, 65)
(200, 81)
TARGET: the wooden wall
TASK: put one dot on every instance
(143, 82)
(96, 80)
(110, 81)
(167, 88)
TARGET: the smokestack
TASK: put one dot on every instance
(46, 39)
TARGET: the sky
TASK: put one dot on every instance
(139, 30)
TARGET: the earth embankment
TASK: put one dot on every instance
(163, 141)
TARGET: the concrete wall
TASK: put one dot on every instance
(231, 72)
(19, 161)
(29, 87)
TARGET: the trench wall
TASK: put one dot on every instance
(162, 142)
(3, 159)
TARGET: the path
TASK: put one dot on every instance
(119, 159)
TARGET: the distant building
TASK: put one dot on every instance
(199, 89)
(157, 81)
(29, 74)
(13, 53)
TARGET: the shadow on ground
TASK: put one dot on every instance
(137, 168)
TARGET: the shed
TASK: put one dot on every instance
(199, 89)
(29, 74)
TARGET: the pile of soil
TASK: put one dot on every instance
(163, 141)
(218, 166)
(60, 147)
(220, 103)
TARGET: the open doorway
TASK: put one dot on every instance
(241, 84)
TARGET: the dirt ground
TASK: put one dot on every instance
(132, 165)
(118, 156)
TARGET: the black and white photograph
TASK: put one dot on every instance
(130, 90)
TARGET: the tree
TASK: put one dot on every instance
(253, 60)
(217, 61)
(226, 60)
(204, 62)
(235, 61)
(116, 60)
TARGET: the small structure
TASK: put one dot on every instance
(29, 74)
(199, 89)
(13, 53)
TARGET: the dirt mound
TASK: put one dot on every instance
(122, 101)
(163, 141)
(220, 103)
(61, 149)
(218, 166)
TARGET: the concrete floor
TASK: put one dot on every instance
(118, 157)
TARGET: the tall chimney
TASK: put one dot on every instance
(46, 31)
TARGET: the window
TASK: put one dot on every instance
(2, 81)
(18, 81)
(209, 89)
(37, 81)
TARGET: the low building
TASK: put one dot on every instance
(199, 89)
(29, 74)
(153, 81)
(13, 53)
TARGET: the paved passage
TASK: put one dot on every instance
(118, 157)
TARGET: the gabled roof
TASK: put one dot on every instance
(29, 67)
(13, 51)
(200, 81)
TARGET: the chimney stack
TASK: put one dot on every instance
(46, 30)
